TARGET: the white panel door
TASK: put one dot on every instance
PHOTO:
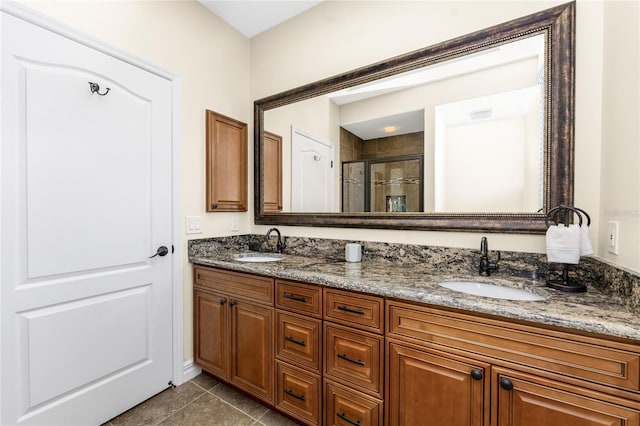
(312, 175)
(86, 198)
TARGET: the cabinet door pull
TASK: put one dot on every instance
(351, 310)
(294, 297)
(232, 303)
(290, 392)
(348, 420)
(476, 374)
(223, 301)
(506, 384)
(355, 361)
(297, 342)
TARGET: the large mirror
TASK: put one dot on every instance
(475, 133)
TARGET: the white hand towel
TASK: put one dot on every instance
(585, 241)
(563, 244)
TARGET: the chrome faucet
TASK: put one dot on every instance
(280, 245)
(486, 266)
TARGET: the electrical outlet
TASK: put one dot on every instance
(612, 236)
(193, 225)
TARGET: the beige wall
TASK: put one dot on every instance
(620, 183)
(213, 61)
(330, 40)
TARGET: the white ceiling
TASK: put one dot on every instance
(251, 17)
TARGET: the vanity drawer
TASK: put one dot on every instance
(235, 284)
(354, 309)
(302, 298)
(344, 406)
(299, 393)
(354, 358)
(574, 356)
(299, 340)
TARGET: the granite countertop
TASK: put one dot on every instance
(592, 311)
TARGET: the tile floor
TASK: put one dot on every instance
(202, 401)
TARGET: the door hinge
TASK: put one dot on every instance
(172, 249)
(332, 164)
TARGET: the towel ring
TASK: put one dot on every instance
(551, 214)
(565, 284)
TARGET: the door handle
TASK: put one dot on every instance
(162, 251)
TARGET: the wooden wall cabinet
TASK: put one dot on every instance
(226, 153)
(233, 329)
(272, 179)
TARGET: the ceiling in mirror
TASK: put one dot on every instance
(479, 113)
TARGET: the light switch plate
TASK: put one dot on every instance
(193, 225)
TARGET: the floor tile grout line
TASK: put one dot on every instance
(177, 411)
(204, 392)
(237, 408)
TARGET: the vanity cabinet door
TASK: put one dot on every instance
(522, 400)
(433, 388)
(252, 351)
(211, 347)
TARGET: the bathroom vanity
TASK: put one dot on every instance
(328, 342)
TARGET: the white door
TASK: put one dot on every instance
(312, 173)
(86, 199)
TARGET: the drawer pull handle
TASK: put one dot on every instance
(351, 310)
(348, 420)
(506, 384)
(297, 342)
(355, 361)
(294, 297)
(476, 374)
(290, 392)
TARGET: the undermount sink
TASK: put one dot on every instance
(491, 290)
(258, 257)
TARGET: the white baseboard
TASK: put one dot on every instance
(190, 370)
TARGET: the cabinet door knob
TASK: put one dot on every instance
(476, 374)
(223, 301)
(214, 206)
(506, 384)
(232, 303)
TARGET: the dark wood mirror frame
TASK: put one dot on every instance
(558, 25)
